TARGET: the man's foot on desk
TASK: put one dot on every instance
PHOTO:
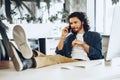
(20, 63)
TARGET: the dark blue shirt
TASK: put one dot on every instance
(93, 39)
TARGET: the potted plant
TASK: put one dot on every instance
(4, 28)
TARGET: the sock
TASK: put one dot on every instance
(29, 63)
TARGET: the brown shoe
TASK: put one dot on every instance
(15, 58)
(21, 41)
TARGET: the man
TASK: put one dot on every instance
(80, 43)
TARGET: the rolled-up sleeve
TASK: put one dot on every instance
(59, 51)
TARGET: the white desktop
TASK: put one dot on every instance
(83, 70)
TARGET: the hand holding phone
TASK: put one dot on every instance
(65, 31)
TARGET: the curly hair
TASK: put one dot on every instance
(82, 17)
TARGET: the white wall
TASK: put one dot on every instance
(35, 31)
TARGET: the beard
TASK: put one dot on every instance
(76, 31)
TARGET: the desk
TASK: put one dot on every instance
(54, 72)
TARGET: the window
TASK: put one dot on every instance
(104, 15)
(52, 14)
(44, 14)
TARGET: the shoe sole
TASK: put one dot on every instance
(15, 58)
(21, 41)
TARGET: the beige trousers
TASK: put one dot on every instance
(42, 60)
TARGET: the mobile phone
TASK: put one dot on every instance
(69, 29)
